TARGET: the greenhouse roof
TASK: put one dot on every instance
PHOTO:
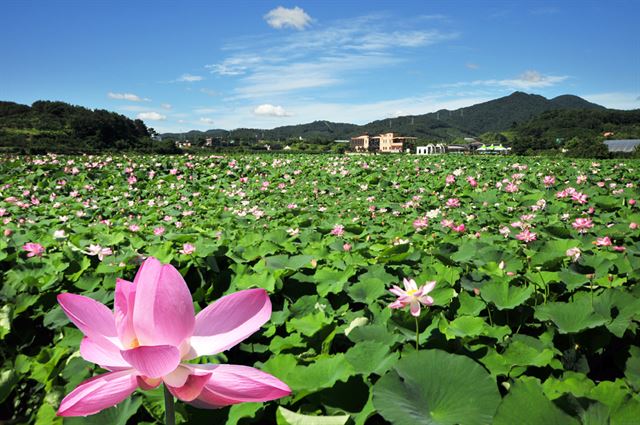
(622, 145)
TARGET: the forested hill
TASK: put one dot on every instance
(493, 116)
(48, 126)
(562, 128)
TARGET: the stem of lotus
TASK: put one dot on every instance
(417, 335)
(169, 407)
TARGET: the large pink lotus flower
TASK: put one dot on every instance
(582, 225)
(526, 236)
(153, 331)
(412, 296)
(33, 249)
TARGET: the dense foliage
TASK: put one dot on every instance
(49, 126)
(536, 264)
(554, 129)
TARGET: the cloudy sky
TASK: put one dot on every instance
(222, 64)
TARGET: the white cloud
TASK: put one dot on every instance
(166, 106)
(271, 110)
(269, 80)
(472, 65)
(209, 92)
(204, 111)
(132, 108)
(190, 78)
(207, 121)
(234, 65)
(281, 17)
(615, 100)
(125, 96)
(151, 116)
(526, 81)
(320, 57)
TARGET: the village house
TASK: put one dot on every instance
(386, 143)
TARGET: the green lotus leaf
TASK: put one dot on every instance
(287, 417)
(434, 387)
(573, 316)
(525, 404)
(504, 294)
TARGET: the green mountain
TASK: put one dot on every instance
(492, 116)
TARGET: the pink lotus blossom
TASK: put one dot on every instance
(549, 181)
(472, 181)
(33, 249)
(633, 225)
(450, 179)
(446, 223)
(151, 335)
(188, 249)
(158, 231)
(338, 230)
(134, 228)
(582, 224)
(579, 197)
(412, 296)
(619, 248)
(605, 241)
(504, 231)
(511, 188)
(346, 247)
(453, 203)
(526, 236)
(459, 228)
(573, 253)
(632, 201)
(420, 223)
(99, 251)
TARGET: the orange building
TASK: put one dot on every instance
(386, 143)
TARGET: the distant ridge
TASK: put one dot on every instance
(492, 116)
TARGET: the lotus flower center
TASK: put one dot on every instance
(410, 292)
(135, 343)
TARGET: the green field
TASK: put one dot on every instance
(536, 304)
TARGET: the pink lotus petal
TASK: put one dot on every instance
(123, 311)
(229, 320)
(232, 384)
(426, 300)
(178, 377)
(94, 319)
(153, 361)
(428, 287)
(163, 309)
(192, 387)
(409, 284)
(397, 304)
(98, 393)
(396, 290)
(148, 383)
(102, 352)
(415, 308)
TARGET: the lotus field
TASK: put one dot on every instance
(357, 290)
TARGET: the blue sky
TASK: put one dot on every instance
(222, 64)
